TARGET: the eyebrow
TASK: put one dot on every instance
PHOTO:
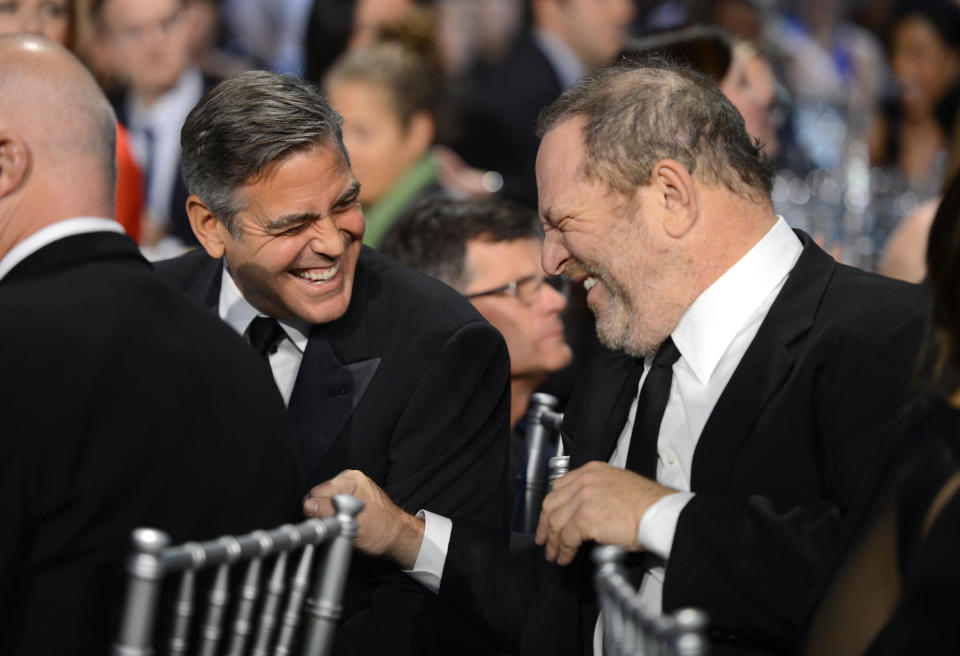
(287, 221)
(349, 195)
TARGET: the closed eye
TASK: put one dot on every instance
(348, 199)
(291, 224)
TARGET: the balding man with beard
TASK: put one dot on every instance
(111, 419)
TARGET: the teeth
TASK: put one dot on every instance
(318, 276)
(589, 282)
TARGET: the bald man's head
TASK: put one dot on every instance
(53, 117)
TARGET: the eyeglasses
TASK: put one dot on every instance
(128, 36)
(527, 289)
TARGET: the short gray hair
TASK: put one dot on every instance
(639, 113)
(245, 124)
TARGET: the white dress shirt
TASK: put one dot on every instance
(164, 118)
(285, 362)
(55, 231)
(712, 336)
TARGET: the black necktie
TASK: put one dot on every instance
(642, 456)
(264, 335)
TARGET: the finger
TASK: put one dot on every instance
(556, 523)
(557, 508)
(568, 542)
(346, 482)
(554, 502)
(568, 479)
(318, 507)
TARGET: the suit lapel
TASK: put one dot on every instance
(338, 366)
(607, 394)
(324, 396)
(763, 369)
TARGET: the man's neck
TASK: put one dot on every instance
(148, 97)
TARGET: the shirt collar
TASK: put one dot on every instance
(564, 61)
(710, 324)
(238, 313)
(51, 233)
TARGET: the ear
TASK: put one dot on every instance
(678, 195)
(206, 226)
(15, 159)
(420, 132)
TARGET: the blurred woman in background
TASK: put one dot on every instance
(912, 133)
(387, 95)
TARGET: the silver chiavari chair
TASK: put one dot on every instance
(276, 631)
(543, 432)
(630, 631)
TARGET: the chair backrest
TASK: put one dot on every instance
(543, 432)
(274, 633)
(628, 630)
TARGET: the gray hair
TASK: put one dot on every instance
(245, 124)
(639, 113)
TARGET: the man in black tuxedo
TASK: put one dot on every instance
(739, 424)
(111, 420)
(384, 369)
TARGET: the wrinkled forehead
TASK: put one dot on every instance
(498, 262)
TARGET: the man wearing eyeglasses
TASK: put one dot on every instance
(147, 44)
(489, 251)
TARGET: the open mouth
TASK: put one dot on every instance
(317, 275)
(589, 282)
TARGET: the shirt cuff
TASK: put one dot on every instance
(659, 523)
(428, 569)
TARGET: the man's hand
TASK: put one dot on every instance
(595, 502)
(385, 529)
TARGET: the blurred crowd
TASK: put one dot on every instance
(855, 103)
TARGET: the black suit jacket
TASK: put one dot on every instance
(498, 105)
(113, 418)
(789, 450)
(410, 387)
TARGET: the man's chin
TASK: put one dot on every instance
(323, 313)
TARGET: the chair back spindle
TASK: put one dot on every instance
(543, 426)
(318, 572)
(628, 629)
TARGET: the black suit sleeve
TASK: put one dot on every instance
(450, 446)
(753, 561)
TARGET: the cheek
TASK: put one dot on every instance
(352, 225)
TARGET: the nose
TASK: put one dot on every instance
(553, 254)
(552, 300)
(326, 238)
(30, 22)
